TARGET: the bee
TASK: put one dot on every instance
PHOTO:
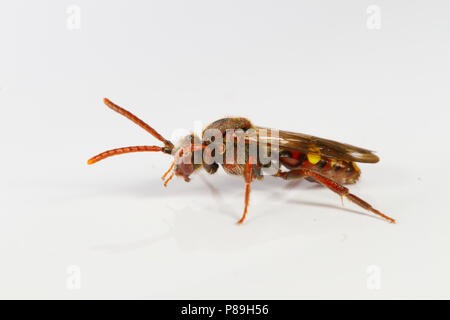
(327, 162)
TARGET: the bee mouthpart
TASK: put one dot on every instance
(168, 179)
(167, 172)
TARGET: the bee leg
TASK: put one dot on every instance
(248, 175)
(247, 198)
(290, 175)
(333, 186)
(344, 192)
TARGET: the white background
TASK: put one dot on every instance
(307, 66)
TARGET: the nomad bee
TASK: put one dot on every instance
(297, 155)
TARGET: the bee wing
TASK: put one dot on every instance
(309, 144)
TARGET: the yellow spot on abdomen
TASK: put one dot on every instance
(357, 169)
(313, 158)
(332, 163)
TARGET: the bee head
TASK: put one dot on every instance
(187, 156)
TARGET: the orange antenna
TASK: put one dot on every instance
(139, 122)
(115, 152)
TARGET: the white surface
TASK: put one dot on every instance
(311, 67)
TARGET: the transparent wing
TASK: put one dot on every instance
(309, 144)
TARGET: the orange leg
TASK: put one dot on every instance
(248, 175)
(247, 199)
(335, 187)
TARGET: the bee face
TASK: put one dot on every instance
(185, 163)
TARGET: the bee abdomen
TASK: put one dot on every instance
(343, 172)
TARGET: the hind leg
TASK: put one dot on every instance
(333, 186)
(290, 175)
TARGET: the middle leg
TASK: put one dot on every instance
(248, 176)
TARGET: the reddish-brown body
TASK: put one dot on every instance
(327, 162)
(341, 171)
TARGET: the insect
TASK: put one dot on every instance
(330, 163)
